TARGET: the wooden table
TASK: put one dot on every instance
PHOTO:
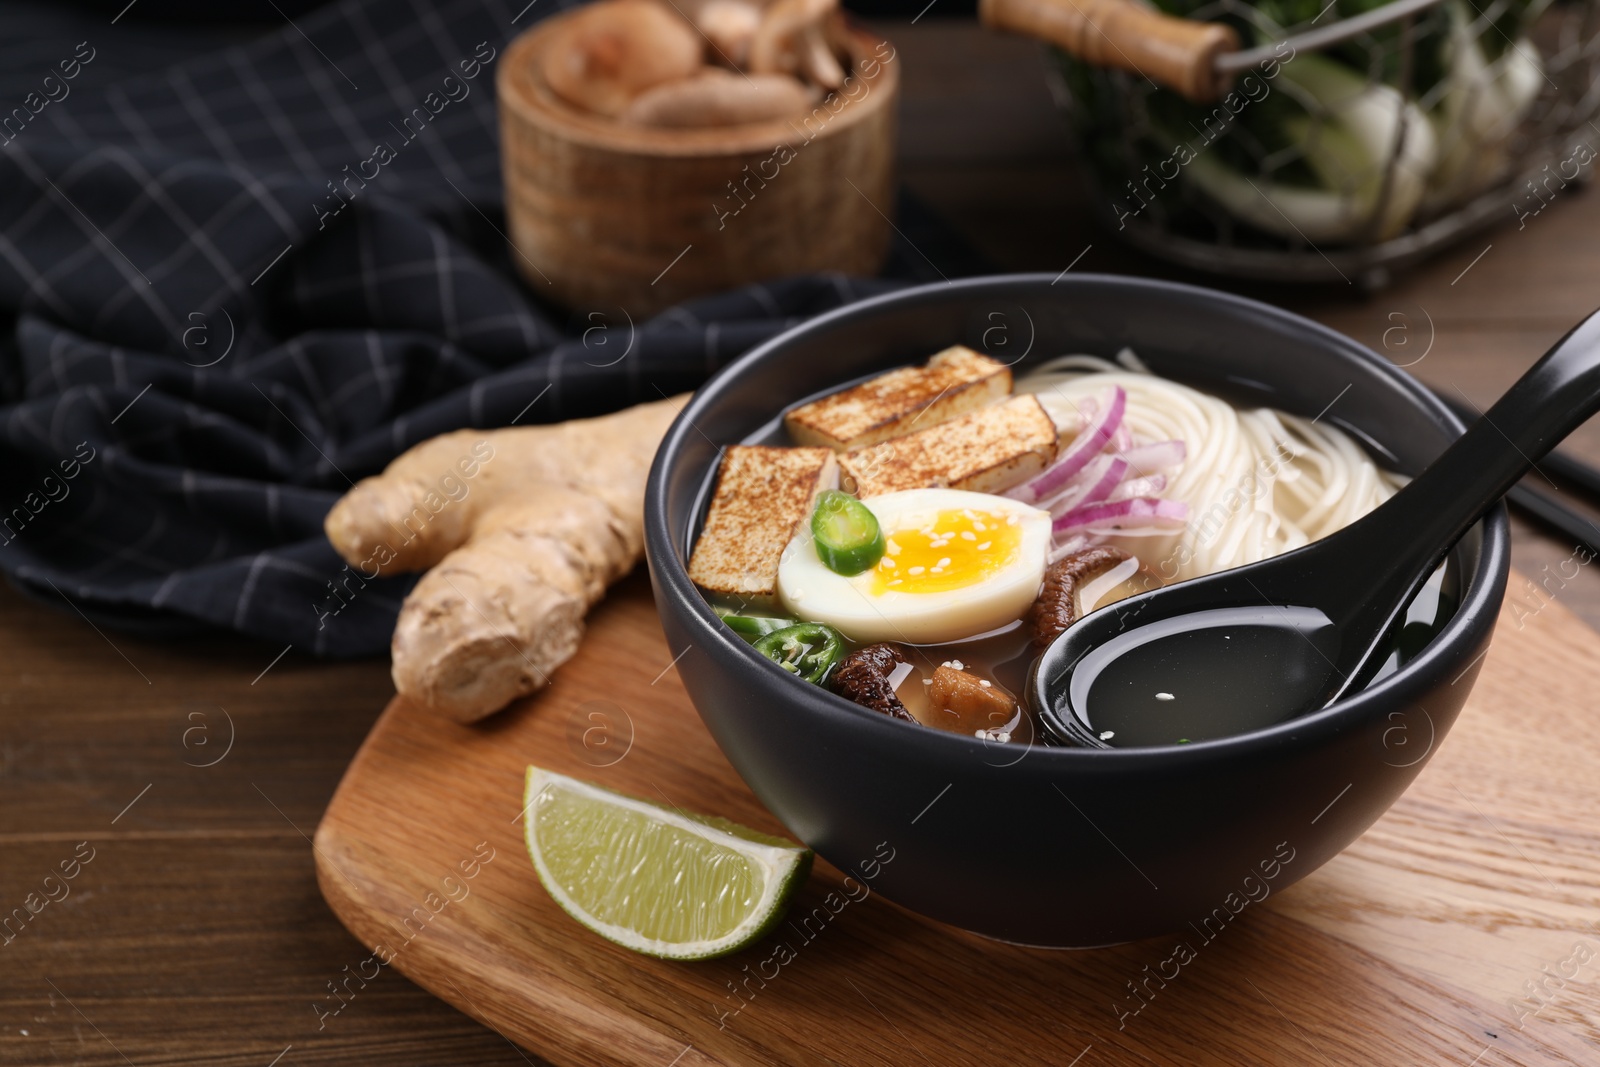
(196, 932)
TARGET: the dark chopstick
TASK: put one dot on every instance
(1575, 471)
(1557, 516)
(1543, 507)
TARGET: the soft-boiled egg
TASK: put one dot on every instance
(955, 564)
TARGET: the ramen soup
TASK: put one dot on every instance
(913, 541)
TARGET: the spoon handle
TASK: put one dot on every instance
(1406, 538)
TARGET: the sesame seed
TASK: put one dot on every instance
(1107, 735)
(937, 570)
(985, 683)
(891, 547)
(887, 562)
(980, 527)
(1165, 696)
(917, 570)
(927, 681)
(944, 561)
(968, 535)
(985, 546)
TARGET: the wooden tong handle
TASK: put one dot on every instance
(1178, 53)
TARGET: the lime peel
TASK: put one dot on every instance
(654, 879)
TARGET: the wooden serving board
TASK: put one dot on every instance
(1463, 929)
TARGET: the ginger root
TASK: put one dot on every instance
(524, 528)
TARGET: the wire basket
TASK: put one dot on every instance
(1345, 142)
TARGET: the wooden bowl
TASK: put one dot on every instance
(604, 215)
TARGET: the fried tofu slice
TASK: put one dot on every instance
(763, 493)
(987, 451)
(953, 383)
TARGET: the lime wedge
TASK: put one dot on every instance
(654, 879)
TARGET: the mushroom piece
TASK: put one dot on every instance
(730, 26)
(1057, 606)
(718, 97)
(795, 36)
(606, 54)
(791, 40)
(977, 705)
(863, 676)
(818, 61)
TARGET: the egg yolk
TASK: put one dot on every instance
(954, 550)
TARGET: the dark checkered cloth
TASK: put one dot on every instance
(206, 349)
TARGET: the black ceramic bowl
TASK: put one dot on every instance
(1063, 846)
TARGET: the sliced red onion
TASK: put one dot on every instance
(1090, 596)
(1069, 497)
(1150, 485)
(1095, 482)
(1102, 534)
(1084, 447)
(1116, 470)
(1122, 440)
(1162, 454)
(1148, 511)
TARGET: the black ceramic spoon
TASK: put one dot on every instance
(1259, 644)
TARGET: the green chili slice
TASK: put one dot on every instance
(753, 627)
(808, 649)
(846, 534)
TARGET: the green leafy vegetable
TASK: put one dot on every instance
(1350, 144)
(1347, 135)
(1492, 82)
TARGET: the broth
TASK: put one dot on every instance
(1004, 657)
(1218, 673)
(1206, 675)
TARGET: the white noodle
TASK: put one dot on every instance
(1257, 482)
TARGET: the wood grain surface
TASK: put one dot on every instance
(197, 934)
(1412, 947)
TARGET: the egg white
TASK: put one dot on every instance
(810, 591)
